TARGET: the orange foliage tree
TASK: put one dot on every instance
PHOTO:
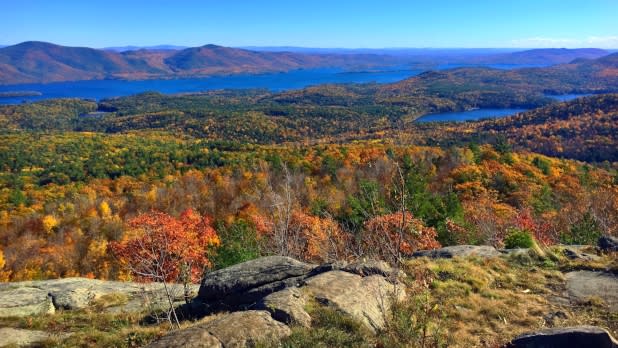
(306, 237)
(164, 248)
(168, 249)
(398, 233)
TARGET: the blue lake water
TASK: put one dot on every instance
(100, 89)
(471, 115)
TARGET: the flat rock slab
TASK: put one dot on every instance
(484, 251)
(45, 296)
(232, 330)
(568, 337)
(582, 285)
(21, 337)
(24, 301)
(367, 299)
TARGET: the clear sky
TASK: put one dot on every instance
(313, 23)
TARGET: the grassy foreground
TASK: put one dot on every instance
(470, 302)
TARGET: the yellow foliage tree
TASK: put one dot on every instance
(105, 210)
(49, 222)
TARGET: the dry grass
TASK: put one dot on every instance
(485, 302)
(451, 302)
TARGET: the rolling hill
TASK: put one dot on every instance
(544, 56)
(32, 62)
(580, 76)
(36, 62)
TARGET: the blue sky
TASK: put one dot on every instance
(313, 23)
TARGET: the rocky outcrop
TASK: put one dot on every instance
(582, 286)
(568, 337)
(371, 267)
(18, 301)
(287, 306)
(238, 329)
(608, 243)
(283, 287)
(20, 337)
(248, 282)
(41, 297)
(579, 252)
(366, 299)
(484, 251)
(242, 329)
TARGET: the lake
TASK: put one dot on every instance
(100, 89)
(471, 115)
(296, 79)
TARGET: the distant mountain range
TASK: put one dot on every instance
(135, 48)
(543, 56)
(33, 62)
(39, 62)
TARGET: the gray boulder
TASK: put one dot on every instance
(568, 337)
(583, 285)
(287, 306)
(238, 329)
(245, 329)
(608, 243)
(367, 299)
(248, 282)
(484, 251)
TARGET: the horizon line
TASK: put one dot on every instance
(179, 46)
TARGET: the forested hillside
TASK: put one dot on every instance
(585, 129)
(321, 173)
(65, 196)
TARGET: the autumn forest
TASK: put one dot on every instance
(324, 173)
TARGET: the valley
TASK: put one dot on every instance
(483, 200)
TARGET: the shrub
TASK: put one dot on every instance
(543, 165)
(517, 238)
(239, 243)
(585, 231)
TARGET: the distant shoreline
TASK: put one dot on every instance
(12, 94)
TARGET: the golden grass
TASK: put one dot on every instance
(485, 302)
(470, 302)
